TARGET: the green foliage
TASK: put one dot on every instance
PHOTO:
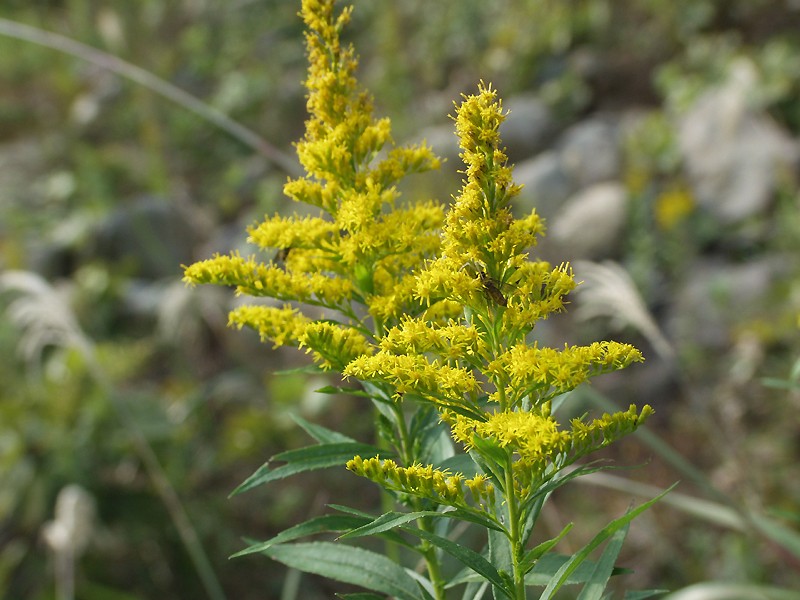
(422, 320)
(79, 143)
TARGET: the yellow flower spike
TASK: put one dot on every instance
(546, 371)
(356, 464)
(284, 326)
(440, 384)
(480, 487)
(334, 346)
(294, 232)
(587, 437)
(432, 307)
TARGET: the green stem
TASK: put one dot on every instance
(427, 550)
(514, 532)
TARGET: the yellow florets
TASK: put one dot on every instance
(545, 372)
(424, 481)
(284, 326)
(413, 373)
(333, 346)
(419, 303)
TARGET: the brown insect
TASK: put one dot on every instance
(281, 256)
(492, 289)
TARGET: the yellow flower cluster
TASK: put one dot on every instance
(414, 374)
(452, 341)
(284, 326)
(432, 307)
(484, 262)
(535, 440)
(587, 437)
(361, 248)
(333, 346)
(425, 481)
(254, 278)
(541, 373)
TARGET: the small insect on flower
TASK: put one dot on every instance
(280, 257)
(492, 289)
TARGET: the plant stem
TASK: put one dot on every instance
(514, 532)
(427, 550)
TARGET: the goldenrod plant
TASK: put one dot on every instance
(428, 314)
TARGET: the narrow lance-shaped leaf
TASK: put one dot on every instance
(349, 565)
(601, 573)
(321, 434)
(564, 572)
(465, 556)
(391, 520)
(548, 565)
(534, 554)
(321, 524)
(310, 458)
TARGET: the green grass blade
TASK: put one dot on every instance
(644, 594)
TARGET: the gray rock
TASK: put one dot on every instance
(589, 151)
(442, 140)
(591, 223)
(718, 295)
(546, 185)
(149, 236)
(733, 153)
(529, 127)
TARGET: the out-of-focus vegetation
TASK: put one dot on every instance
(118, 379)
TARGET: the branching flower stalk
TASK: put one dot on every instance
(434, 316)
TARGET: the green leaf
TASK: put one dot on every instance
(307, 369)
(781, 384)
(643, 594)
(475, 590)
(350, 565)
(322, 524)
(333, 389)
(732, 591)
(562, 575)
(500, 555)
(390, 520)
(534, 554)
(559, 479)
(389, 535)
(460, 463)
(778, 533)
(362, 596)
(310, 458)
(431, 438)
(601, 573)
(490, 468)
(321, 434)
(464, 555)
(548, 565)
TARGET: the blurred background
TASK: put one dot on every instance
(659, 139)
